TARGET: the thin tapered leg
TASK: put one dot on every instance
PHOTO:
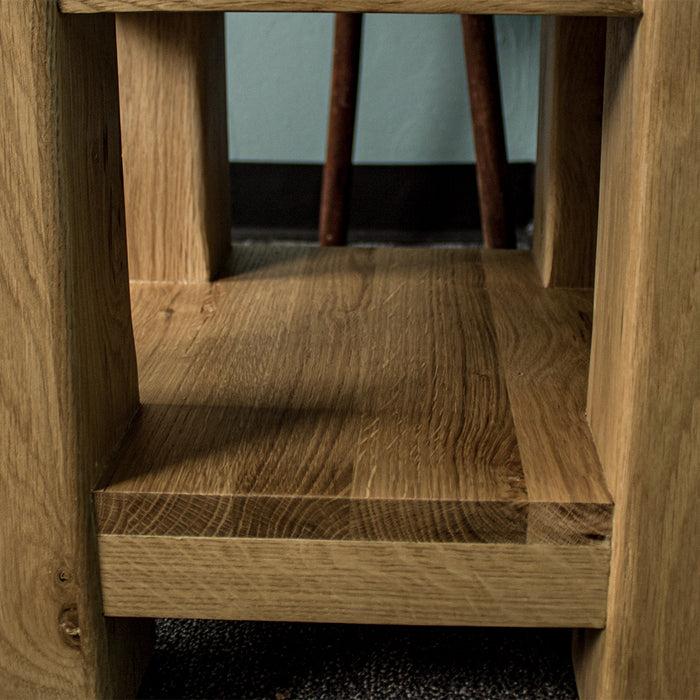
(487, 124)
(337, 170)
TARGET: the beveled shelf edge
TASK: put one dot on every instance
(602, 8)
(355, 582)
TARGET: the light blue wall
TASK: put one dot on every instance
(413, 105)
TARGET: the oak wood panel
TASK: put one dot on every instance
(437, 419)
(68, 371)
(644, 393)
(367, 582)
(572, 59)
(538, 366)
(510, 270)
(206, 515)
(296, 422)
(498, 7)
(547, 375)
(172, 90)
(346, 394)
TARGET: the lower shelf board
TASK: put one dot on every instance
(356, 582)
(322, 407)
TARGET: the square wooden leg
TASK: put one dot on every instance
(173, 108)
(572, 59)
(68, 368)
(644, 384)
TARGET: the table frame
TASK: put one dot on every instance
(69, 374)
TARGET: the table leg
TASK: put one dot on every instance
(68, 370)
(572, 59)
(172, 88)
(337, 169)
(644, 384)
(484, 85)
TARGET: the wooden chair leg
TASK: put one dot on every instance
(68, 370)
(337, 171)
(487, 123)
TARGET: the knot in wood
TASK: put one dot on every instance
(69, 626)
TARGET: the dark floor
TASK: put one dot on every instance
(213, 659)
(370, 236)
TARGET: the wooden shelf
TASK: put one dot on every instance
(421, 404)
(610, 8)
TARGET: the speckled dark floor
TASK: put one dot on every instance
(212, 659)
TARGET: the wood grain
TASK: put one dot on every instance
(367, 582)
(172, 90)
(546, 374)
(355, 394)
(644, 393)
(68, 371)
(572, 60)
(537, 366)
(561, 487)
(609, 8)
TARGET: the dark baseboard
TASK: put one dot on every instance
(417, 200)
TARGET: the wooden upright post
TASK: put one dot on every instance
(572, 59)
(67, 367)
(644, 390)
(173, 109)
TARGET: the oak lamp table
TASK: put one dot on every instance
(383, 436)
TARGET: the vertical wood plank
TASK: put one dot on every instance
(173, 111)
(337, 170)
(487, 124)
(644, 388)
(68, 371)
(572, 58)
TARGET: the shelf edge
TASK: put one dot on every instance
(355, 582)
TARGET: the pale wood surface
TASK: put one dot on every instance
(489, 7)
(644, 396)
(536, 367)
(366, 582)
(173, 113)
(572, 59)
(361, 394)
(68, 370)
